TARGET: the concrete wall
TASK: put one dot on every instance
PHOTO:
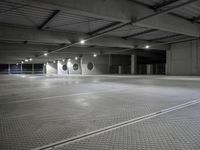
(70, 67)
(51, 68)
(101, 64)
(184, 58)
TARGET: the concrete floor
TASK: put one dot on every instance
(99, 112)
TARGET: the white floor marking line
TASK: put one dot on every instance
(116, 126)
(59, 96)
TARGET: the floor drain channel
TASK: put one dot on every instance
(116, 126)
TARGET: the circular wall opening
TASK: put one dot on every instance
(90, 66)
(64, 67)
(75, 67)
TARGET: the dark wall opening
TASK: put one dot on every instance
(120, 64)
(3, 68)
(18, 69)
(155, 58)
(38, 68)
(15, 69)
(27, 68)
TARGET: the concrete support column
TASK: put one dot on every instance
(109, 63)
(149, 69)
(119, 69)
(8, 68)
(168, 60)
(44, 68)
(32, 68)
(81, 65)
(21, 69)
(133, 64)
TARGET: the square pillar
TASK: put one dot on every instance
(32, 68)
(133, 64)
(149, 69)
(8, 68)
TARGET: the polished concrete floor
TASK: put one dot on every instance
(99, 112)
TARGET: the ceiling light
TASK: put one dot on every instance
(54, 61)
(147, 46)
(45, 54)
(82, 41)
(30, 59)
(26, 60)
(76, 58)
(63, 60)
(22, 62)
(17, 64)
(94, 55)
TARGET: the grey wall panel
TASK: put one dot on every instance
(101, 64)
(70, 68)
(51, 68)
(184, 58)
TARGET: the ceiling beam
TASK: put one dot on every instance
(148, 16)
(131, 22)
(123, 11)
(20, 34)
(48, 20)
(166, 37)
(195, 19)
(164, 4)
(140, 33)
(99, 36)
(8, 51)
(111, 25)
(182, 40)
(141, 3)
(6, 47)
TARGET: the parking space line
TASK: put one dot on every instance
(119, 125)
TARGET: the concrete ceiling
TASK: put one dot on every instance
(28, 28)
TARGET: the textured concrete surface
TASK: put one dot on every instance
(40, 110)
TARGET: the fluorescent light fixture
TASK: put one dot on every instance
(30, 59)
(22, 62)
(82, 41)
(26, 60)
(94, 55)
(76, 58)
(45, 54)
(147, 46)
